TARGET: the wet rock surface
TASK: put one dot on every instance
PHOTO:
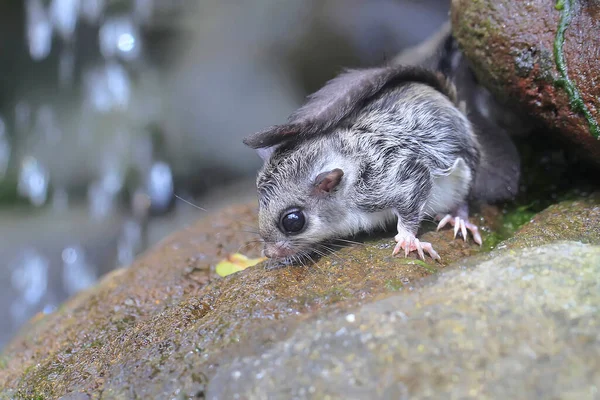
(169, 326)
(545, 55)
(524, 325)
(159, 327)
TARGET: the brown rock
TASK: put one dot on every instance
(167, 326)
(511, 45)
(161, 326)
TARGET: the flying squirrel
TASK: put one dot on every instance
(390, 144)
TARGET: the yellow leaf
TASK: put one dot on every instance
(235, 263)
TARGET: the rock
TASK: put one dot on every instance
(577, 220)
(524, 325)
(170, 327)
(162, 326)
(518, 52)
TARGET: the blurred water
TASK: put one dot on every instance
(4, 149)
(29, 278)
(33, 181)
(107, 108)
(84, 132)
(78, 273)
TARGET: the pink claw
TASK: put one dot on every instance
(429, 249)
(456, 226)
(475, 232)
(410, 243)
(461, 225)
(444, 221)
(419, 249)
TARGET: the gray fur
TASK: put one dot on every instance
(499, 171)
(341, 99)
(408, 144)
(391, 152)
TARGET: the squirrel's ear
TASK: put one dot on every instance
(273, 136)
(266, 152)
(327, 181)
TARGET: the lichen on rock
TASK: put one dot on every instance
(539, 57)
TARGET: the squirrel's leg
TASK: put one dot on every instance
(405, 239)
(414, 182)
(459, 219)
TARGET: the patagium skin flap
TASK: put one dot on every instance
(371, 147)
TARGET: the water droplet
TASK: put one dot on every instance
(126, 42)
(69, 255)
(100, 200)
(63, 14)
(160, 185)
(112, 180)
(49, 309)
(78, 274)
(39, 30)
(33, 181)
(119, 37)
(30, 276)
(108, 88)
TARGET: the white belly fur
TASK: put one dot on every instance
(450, 189)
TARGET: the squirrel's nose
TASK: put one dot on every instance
(269, 251)
(276, 250)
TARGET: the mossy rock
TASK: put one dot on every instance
(158, 327)
(541, 56)
(162, 328)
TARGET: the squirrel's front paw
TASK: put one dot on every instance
(409, 243)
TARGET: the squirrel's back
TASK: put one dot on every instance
(413, 120)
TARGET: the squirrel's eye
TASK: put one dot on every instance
(293, 222)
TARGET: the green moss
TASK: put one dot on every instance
(429, 268)
(478, 33)
(575, 100)
(3, 362)
(560, 5)
(36, 395)
(394, 285)
(514, 217)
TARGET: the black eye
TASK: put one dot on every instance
(293, 221)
